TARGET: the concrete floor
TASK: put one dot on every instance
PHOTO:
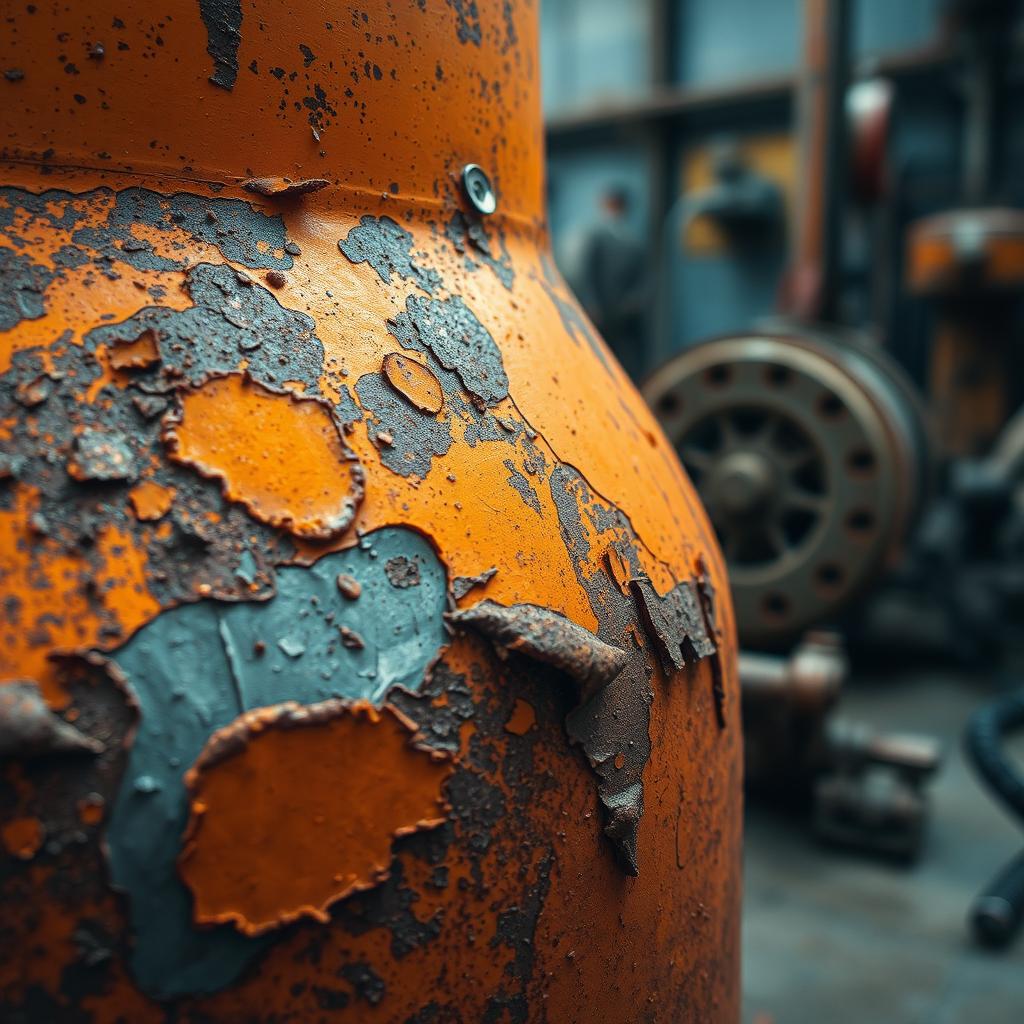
(837, 938)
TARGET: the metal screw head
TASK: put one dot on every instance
(479, 190)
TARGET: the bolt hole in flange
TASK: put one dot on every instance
(810, 456)
(778, 376)
(861, 462)
(830, 407)
(669, 404)
(860, 521)
(719, 376)
(775, 605)
(828, 576)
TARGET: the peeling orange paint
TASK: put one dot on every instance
(522, 719)
(137, 354)
(414, 381)
(297, 814)
(151, 501)
(281, 456)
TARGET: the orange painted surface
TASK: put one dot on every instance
(566, 487)
(22, 837)
(415, 382)
(522, 719)
(294, 821)
(136, 354)
(280, 456)
(151, 501)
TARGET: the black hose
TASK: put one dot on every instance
(984, 743)
(997, 913)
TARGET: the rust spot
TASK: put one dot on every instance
(137, 353)
(279, 188)
(349, 587)
(91, 808)
(545, 635)
(151, 501)
(29, 728)
(22, 837)
(414, 382)
(620, 760)
(462, 585)
(295, 807)
(103, 456)
(402, 572)
(351, 639)
(245, 435)
(522, 718)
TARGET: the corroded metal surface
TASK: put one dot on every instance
(283, 420)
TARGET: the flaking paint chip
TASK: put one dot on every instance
(351, 769)
(280, 455)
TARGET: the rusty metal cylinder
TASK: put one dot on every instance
(365, 653)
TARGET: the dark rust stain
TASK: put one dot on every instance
(706, 593)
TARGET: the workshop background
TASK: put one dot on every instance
(800, 225)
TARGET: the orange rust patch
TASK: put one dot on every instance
(22, 837)
(90, 809)
(522, 719)
(151, 501)
(279, 455)
(137, 354)
(295, 808)
(414, 382)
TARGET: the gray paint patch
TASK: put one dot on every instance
(22, 288)
(523, 487)
(450, 330)
(387, 247)
(464, 232)
(223, 21)
(415, 436)
(195, 668)
(233, 226)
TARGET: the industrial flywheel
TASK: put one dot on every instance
(810, 453)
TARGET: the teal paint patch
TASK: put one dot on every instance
(195, 668)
